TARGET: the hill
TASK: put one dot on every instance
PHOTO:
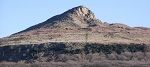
(76, 38)
(73, 26)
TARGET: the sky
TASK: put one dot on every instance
(17, 15)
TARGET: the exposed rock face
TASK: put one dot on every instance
(82, 16)
(82, 12)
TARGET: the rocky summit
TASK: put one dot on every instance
(77, 38)
(79, 17)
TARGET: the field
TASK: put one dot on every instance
(104, 63)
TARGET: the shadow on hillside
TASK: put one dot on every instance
(62, 52)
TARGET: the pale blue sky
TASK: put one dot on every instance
(17, 15)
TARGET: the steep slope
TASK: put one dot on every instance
(78, 17)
